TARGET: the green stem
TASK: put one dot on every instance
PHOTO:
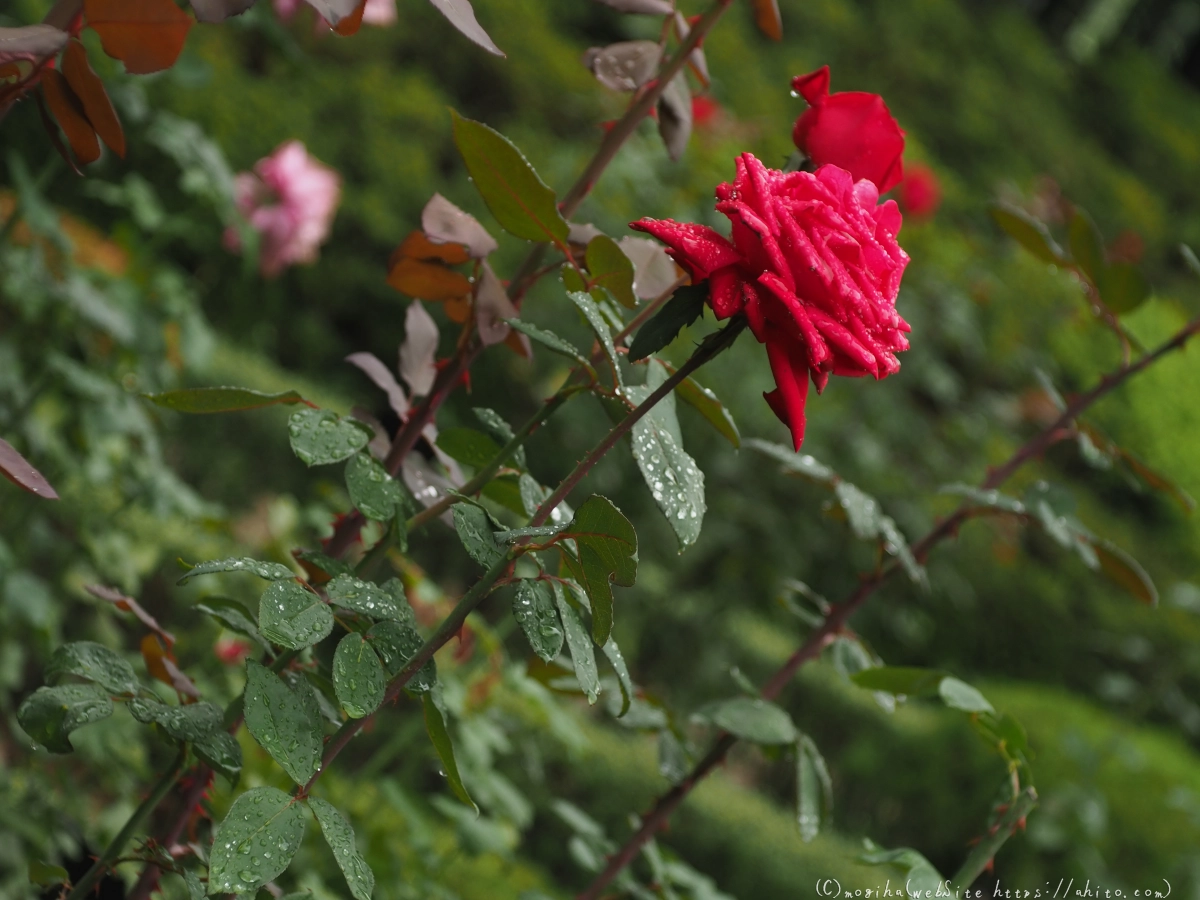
(988, 846)
(113, 850)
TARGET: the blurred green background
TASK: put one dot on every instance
(1001, 103)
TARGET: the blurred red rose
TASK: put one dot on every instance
(850, 129)
(920, 191)
(704, 110)
(815, 266)
(231, 651)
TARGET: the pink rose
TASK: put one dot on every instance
(815, 266)
(290, 199)
(851, 129)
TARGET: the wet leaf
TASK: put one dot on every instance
(468, 446)
(674, 479)
(549, 340)
(814, 788)
(684, 308)
(611, 269)
(340, 837)
(320, 437)
(96, 663)
(533, 608)
(595, 319)
(223, 754)
(435, 724)
(374, 493)
(624, 680)
(397, 643)
(624, 66)
(191, 722)
(654, 272)
(358, 676)
(369, 599)
(269, 570)
(256, 842)
(372, 366)
(521, 202)
(285, 722)
(501, 431)
(17, 469)
(475, 531)
(493, 309)
(443, 222)
(675, 116)
(607, 554)
(50, 714)
(705, 402)
(583, 654)
(462, 17)
(290, 616)
(750, 719)
(146, 35)
(220, 399)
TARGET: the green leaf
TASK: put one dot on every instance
(340, 838)
(327, 564)
(1124, 288)
(474, 529)
(191, 881)
(220, 399)
(549, 340)
(268, 570)
(1028, 232)
(221, 751)
(256, 842)
(1087, 246)
(607, 547)
(674, 479)
(906, 680)
(611, 269)
(369, 599)
(285, 722)
(320, 437)
(705, 402)
(1190, 259)
(231, 615)
(533, 608)
(501, 431)
(919, 874)
(583, 656)
(290, 616)
(685, 307)
(374, 493)
(505, 490)
(591, 313)
(960, 695)
(358, 676)
(96, 663)
(986, 499)
(49, 714)
(1125, 571)
(521, 202)
(435, 724)
(796, 463)
(193, 722)
(624, 680)
(46, 875)
(750, 719)
(468, 446)
(814, 788)
(397, 643)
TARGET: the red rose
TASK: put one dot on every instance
(920, 191)
(851, 129)
(815, 266)
(231, 651)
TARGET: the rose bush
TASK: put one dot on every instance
(851, 129)
(815, 266)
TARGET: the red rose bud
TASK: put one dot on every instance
(704, 110)
(850, 129)
(920, 191)
(815, 266)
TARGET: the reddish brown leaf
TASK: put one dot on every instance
(427, 281)
(146, 35)
(458, 310)
(90, 90)
(418, 246)
(68, 112)
(128, 604)
(17, 469)
(160, 663)
(766, 17)
(51, 132)
(350, 25)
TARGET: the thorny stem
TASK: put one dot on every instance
(148, 880)
(837, 616)
(164, 784)
(981, 855)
